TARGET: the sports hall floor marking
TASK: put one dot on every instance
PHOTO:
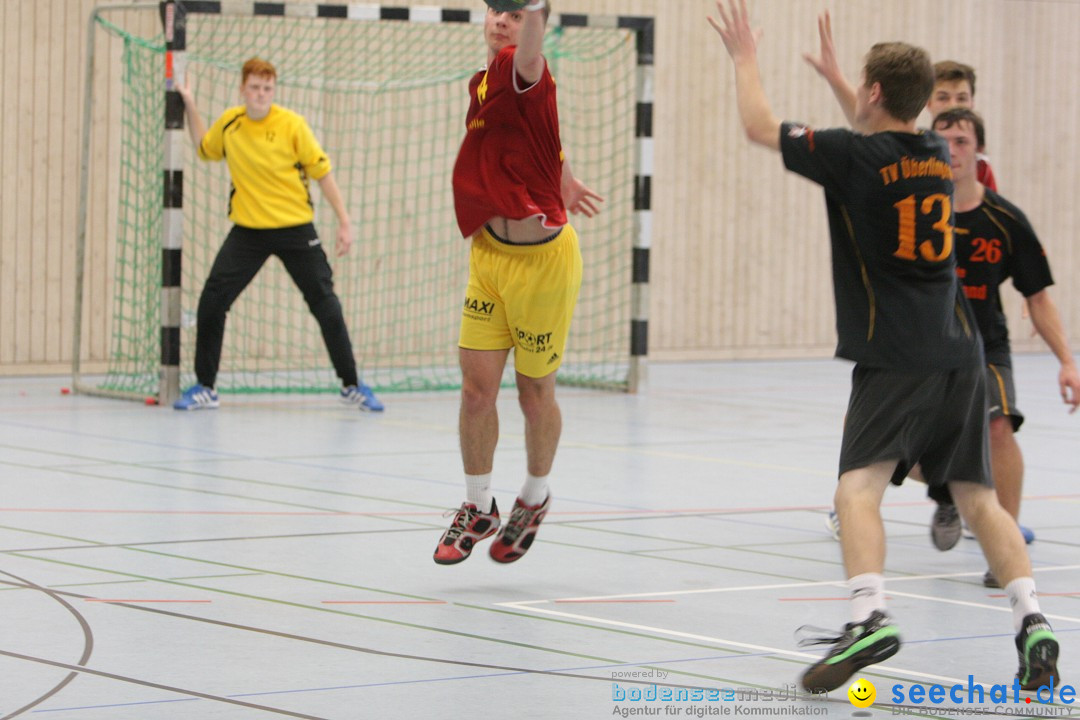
(139, 600)
(761, 649)
(158, 686)
(531, 606)
(779, 586)
(383, 602)
(642, 600)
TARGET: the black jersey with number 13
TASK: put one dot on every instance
(899, 303)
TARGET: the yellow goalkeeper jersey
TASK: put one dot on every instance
(270, 161)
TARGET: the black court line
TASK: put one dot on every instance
(325, 643)
(146, 683)
(88, 644)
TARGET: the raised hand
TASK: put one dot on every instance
(825, 63)
(734, 29)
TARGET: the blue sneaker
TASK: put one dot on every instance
(197, 397)
(362, 397)
(1028, 533)
(832, 523)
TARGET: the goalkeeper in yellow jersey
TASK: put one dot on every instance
(271, 153)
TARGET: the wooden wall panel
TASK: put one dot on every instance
(740, 248)
(10, 20)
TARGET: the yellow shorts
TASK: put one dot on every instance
(522, 296)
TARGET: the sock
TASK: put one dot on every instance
(867, 595)
(534, 491)
(1023, 599)
(478, 491)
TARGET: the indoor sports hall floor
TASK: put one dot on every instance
(272, 559)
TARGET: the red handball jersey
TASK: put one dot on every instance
(510, 162)
(985, 173)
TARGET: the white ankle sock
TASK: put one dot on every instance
(1023, 599)
(478, 491)
(867, 595)
(535, 490)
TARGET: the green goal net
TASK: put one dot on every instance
(387, 101)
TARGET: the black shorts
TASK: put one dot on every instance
(1002, 394)
(937, 419)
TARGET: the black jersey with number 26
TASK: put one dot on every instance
(994, 242)
(899, 303)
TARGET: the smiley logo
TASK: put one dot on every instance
(862, 693)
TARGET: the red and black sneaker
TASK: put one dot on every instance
(469, 527)
(514, 540)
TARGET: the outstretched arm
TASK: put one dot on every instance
(828, 67)
(528, 60)
(1047, 321)
(196, 126)
(576, 196)
(332, 193)
(762, 127)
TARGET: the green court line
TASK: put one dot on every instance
(223, 575)
(188, 558)
(235, 496)
(426, 628)
(226, 478)
(71, 585)
(471, 636)
(127, 582)
(326, 609)
(346, 585)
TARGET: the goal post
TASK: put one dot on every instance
(384, 90)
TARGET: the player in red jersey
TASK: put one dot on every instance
(954, 86)
(512, 187)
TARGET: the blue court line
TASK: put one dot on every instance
(661, 663)
(410, 682)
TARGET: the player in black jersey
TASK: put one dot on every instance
(918, 387)
(995, 242)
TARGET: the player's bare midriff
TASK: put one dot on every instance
(529, 230)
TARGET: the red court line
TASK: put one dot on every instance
(135, 600)
(613, 601)
(384, 602)
(429, 513)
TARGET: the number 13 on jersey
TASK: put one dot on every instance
(937, 206)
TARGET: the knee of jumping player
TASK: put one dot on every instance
(536, 396)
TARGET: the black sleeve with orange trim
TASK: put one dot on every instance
(823, 156)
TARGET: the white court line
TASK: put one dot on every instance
(774, 586)
(997, 606)
(940, 679)
(530, 605)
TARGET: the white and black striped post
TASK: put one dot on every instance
(639, 322)
(174, 20)
(644, 32)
